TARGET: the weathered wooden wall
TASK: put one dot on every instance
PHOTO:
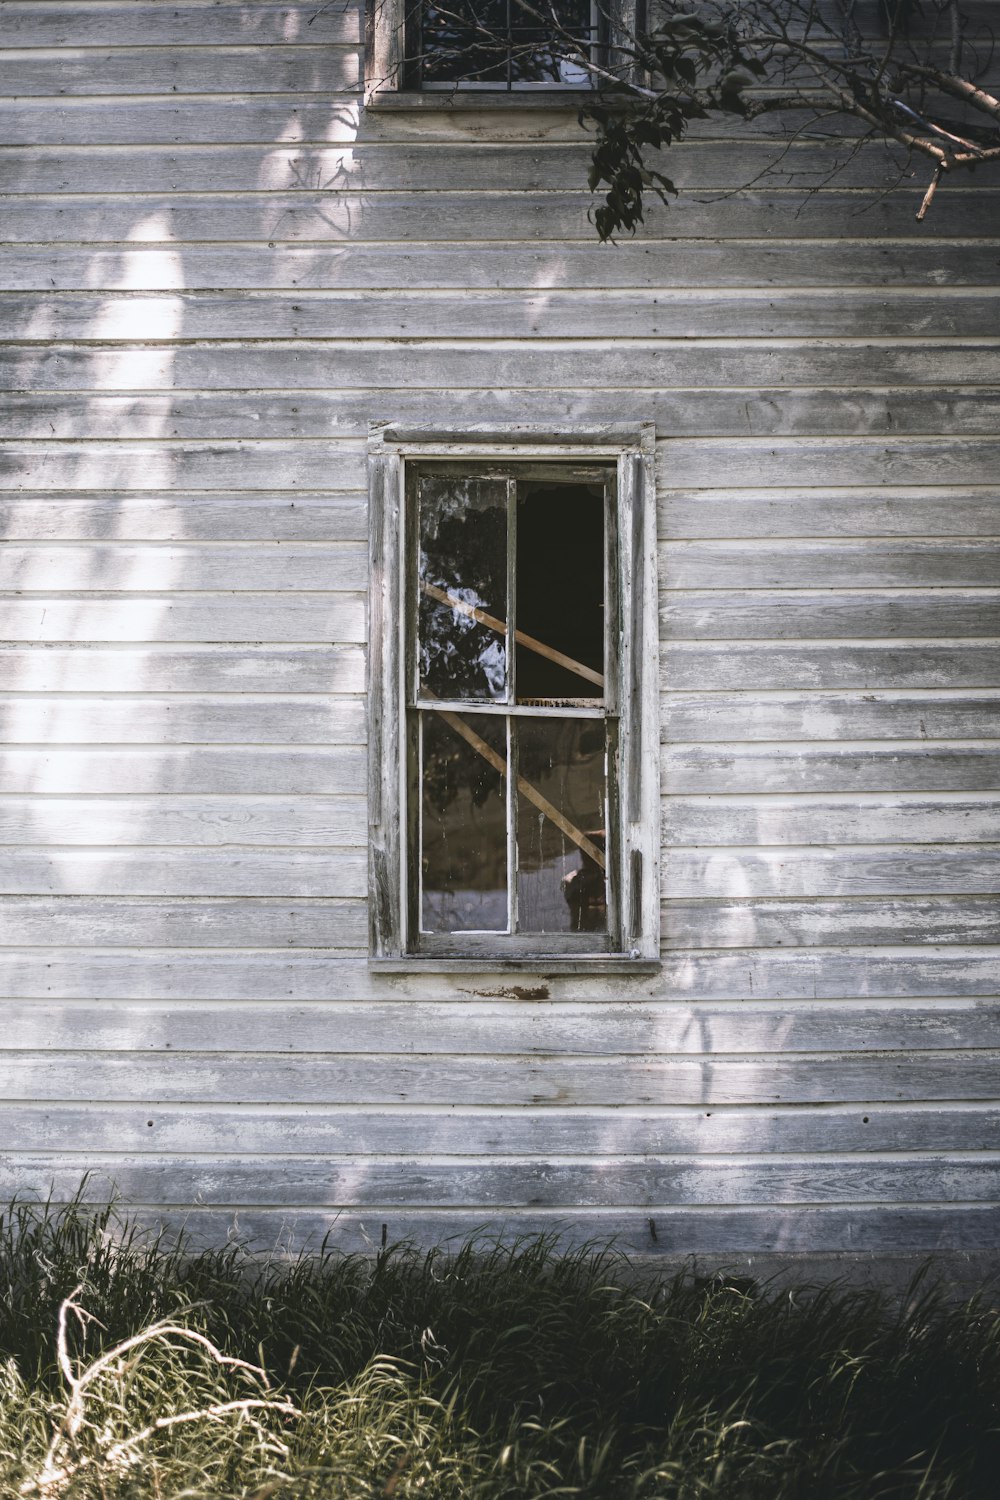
(218, 271)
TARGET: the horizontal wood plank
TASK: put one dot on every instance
(849, 871)
(391, 1079)
(306, 215)
(176, 517)
(212, 669)
(233, 69)
(244, 621)
(921, 971)
(115, 567)
(849, 818)
(444, 366)
(157, 466)
(790, 767)
(133, 23)
(674, 1233)
(228, 821)
(872, 563)
(544, 1132)
(136, 922)
(829, 511)
(744, 615)
(171, 720)
(830, 716)
(749, 923)
(185, 769)
(826, 511)
(204, 872)
(841, 313)
(336, 1183)
(788, 666)
(503, 1028)
(676, 263)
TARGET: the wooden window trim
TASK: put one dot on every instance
(637, 782)
(385, 55)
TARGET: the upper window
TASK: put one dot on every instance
(512, 763)
(501, 44)
(505, 46)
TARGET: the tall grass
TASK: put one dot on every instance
(131, 1370)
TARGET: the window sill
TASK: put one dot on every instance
(482, 99)
(610, 963)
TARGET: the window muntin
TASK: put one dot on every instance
(500, 44)
(511, 719)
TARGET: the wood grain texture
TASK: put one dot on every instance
(716, 1233)
(474, 314)
(174, 516)
(835, 615)
(918, 972)
(749, 923)
(135, 922)
(200, 822)
(306, 216)
(928, 715)
(234, 720)
(250, 668)
(504, 1027)
(528, 364)
(793, 665)
(207, 621)
(392, 1078)
(28, 23)
(808, 768)
(779, 263)
(278, 1131)
(150, 769)
(232, 69)
(414, 1183)
(850, 871)
(820, 511)
(848, 818)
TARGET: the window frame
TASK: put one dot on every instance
(634, 778)
(385, 81)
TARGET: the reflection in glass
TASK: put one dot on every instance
(463, 850)
(462, 587)
(560, 591)
(500, 42)
(561, 876)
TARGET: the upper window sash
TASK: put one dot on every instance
(393, 66)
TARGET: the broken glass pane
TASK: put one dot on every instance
(561, 825)
(463, 854)
(462, 587)
(560, 591)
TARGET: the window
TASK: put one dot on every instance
(496, 46)
(513, 701)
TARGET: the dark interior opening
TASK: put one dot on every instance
(560, 586)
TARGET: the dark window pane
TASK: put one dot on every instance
(499, 41)
(462, 587)
(561, 825)
(463, 855)
(560, 590)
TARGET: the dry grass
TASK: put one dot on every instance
(129, 1370)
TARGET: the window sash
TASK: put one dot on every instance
(634, 943)
(414, 52)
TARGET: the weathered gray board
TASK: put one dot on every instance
(219, 271)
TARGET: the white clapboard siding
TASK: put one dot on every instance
(220, 270)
